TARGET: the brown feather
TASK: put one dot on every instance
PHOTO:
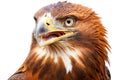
(90, 43)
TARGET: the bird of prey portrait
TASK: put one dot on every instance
(68, 43)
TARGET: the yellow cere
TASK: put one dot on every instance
(49, 25)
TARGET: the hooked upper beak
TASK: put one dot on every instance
(46, 33)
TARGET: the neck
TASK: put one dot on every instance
(63, 60)
(62, 52)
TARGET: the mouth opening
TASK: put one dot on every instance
(49, 35)
(48, 38)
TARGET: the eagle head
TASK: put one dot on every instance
(68, 43)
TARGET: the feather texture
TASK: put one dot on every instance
(79, 57)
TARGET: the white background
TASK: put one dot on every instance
(16, 25)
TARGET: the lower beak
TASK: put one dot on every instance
(48, 38)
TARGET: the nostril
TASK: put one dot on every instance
(47, 23)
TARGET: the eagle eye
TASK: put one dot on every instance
(69, 22)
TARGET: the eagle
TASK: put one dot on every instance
(68, 43)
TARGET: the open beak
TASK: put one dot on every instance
(46, 33)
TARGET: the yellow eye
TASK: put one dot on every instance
(69, 22)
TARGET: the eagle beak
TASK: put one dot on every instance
(46, 33)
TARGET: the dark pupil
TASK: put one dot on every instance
(68, 21)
